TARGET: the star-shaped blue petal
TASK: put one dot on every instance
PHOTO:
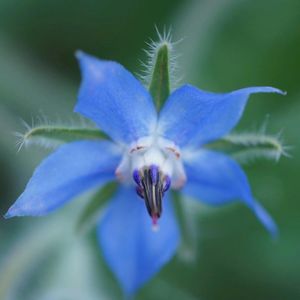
(131, 248)
(122, 107)
(216, 179)
(69, 171)
(194, 117)
(115, 100)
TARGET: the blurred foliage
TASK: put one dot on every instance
(227, 45)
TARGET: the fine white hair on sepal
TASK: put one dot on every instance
(258, 145)
(164, 38)
(29, 135)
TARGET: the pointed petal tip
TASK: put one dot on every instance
(10, 213)
(79, 54)
(15, 211)
(266, 220)
(272, 228)
(274, 232)
(83, 57)
(284, 93)
(261, 89)
(7, 216)
(277, 91)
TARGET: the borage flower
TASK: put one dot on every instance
(149, 153)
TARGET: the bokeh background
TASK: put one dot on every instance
(227, 44)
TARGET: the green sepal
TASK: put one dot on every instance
(247, 147)
(53, 136)
(92, 211)
(159, 86)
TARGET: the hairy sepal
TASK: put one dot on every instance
(160, 83)
(248, 147)
(160, 70)
(52, 136)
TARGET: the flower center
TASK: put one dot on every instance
(151, 186)
(154, 165)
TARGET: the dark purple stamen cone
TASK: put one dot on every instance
(151, 186)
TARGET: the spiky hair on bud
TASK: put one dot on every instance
(163, 39)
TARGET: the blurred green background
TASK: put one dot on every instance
(227, 45)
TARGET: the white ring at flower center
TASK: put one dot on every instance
(149, 151)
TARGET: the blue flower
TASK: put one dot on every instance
(148, 154)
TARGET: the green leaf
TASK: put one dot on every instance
(159, 86)
(53, 136)
(91, 214)
(247, 147)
